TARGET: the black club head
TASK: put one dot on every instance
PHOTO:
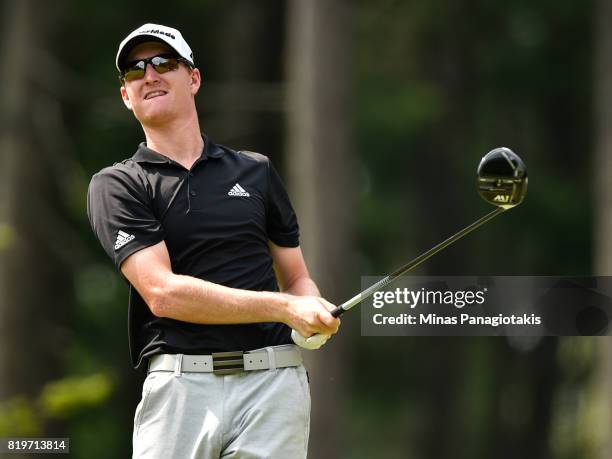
(502, 178)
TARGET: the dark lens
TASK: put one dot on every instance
(164, 64)
(161, 64)
(134, 71)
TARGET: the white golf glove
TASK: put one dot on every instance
(311, 343)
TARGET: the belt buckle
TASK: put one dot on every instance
(228, 363)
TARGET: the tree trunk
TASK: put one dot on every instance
(320, 171)
(245, 104)
(603, 211)
(34, 281)
(13, 144)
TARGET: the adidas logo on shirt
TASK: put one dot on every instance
(122, 239)
(237, 190)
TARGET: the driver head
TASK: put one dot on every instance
(502, 178)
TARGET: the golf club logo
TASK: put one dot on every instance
(501, 198)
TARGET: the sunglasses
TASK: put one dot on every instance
(163, 63)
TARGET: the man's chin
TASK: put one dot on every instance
(155, 117)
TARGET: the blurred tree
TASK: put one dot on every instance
(320, 172)
(244, 101)
(15, 93)
(601, 400)
(35, 289)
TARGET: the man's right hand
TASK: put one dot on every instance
(310, 315)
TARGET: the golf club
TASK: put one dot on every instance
(501, 181)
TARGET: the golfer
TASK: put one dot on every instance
(205, 235)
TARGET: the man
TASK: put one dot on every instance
(196, 228)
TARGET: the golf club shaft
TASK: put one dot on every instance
(410, 265)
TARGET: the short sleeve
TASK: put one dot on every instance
(121, 214)
(281, 222)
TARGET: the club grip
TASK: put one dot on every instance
(338, 312)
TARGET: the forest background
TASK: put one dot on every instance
(376, 114)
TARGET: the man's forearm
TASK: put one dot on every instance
(194, 300)
(302, 286)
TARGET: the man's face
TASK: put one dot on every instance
(156, 98)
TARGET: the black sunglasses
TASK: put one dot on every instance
(163, 63)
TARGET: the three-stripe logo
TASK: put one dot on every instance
(122, 239)
(237, 190)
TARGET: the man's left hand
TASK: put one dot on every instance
(312, 342)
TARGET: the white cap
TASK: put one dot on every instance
(154, 32)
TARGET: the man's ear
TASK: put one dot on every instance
(196, 81)
(126, 98)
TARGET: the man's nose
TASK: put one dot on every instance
(150, 73)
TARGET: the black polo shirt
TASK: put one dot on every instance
(216, 220)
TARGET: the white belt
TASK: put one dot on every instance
(223, 363)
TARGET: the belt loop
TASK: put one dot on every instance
(178, 365)
(271, 358)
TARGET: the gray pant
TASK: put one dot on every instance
(256, 414)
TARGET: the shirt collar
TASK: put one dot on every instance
(146, 155)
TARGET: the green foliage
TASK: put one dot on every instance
(19, 417)
(7, 236)
(60, 399)
(63, 398)
(400, 109)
